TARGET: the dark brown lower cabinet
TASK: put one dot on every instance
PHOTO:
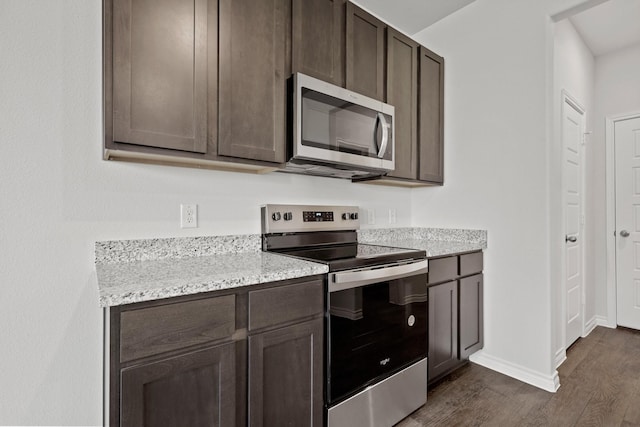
(246, 356)
(285, 376)
(193, 389)
(443, 328)
(455, 312)
(471, 315)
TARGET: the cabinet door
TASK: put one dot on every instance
(160, 88)
(194, 389)
(402, 93)
(471, 315)
(431, 117)
(365, 53)
(286, 376)
(443, 328)
(318, 39)
(254, 65)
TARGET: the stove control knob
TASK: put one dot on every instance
(353, 215)
(345, 216)
(288, 216)
(276, 216)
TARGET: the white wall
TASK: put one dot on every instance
(574, 73)
(57, 197)
(498, 171)
(617, 92)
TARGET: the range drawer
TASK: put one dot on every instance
(273, 306)
(153, 330)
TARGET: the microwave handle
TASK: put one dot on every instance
(385, 135)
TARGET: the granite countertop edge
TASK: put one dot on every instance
(128, 283)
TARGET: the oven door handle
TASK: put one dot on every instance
(352, 279)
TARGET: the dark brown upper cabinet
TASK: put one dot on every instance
(161, 73)
(255, 63)
(160, 64)
(318, 39)
(431, 117)
(402, 93)
(203, 83)
(365, 50)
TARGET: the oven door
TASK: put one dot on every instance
(376, 326)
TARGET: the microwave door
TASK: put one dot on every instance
(353, 129)
(339, 127)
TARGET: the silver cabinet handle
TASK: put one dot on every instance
(385, 135)
(352, 279)
(624, 233)
(571, 239)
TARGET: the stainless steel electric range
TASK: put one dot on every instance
(375, 317)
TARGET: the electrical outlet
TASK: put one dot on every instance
(188, 216)
(371, 216)
(392, 215)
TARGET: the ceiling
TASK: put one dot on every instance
(609, 26)
(412, 16)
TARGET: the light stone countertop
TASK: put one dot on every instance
(130, 271)
(167, 270)
(434, 241)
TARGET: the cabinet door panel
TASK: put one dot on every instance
(254, 65)
(431, 119)
(160, 73)
(471, 315)
(318, 39)
(286, 376)
(443, 328)
(194, 389)
(402, 93)
(365, 53)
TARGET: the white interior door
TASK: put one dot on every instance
(572, 137)
(627, 158)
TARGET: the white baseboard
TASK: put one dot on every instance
(604, 321)
(545, 382)
(589, 326)
(560, 357)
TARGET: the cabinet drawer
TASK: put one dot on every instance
(442, 269)
(269, 307)
(155, 330)
(470, 263)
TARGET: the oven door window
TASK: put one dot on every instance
(333, 124)
(373, 332)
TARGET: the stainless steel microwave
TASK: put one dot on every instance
(337, 132)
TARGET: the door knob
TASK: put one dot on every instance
(571, 239)
(624, 233)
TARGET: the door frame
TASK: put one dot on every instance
(567, 98)
(610, 181)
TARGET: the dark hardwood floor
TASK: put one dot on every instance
(599, 386)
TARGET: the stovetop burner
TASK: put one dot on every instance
(343, 257)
